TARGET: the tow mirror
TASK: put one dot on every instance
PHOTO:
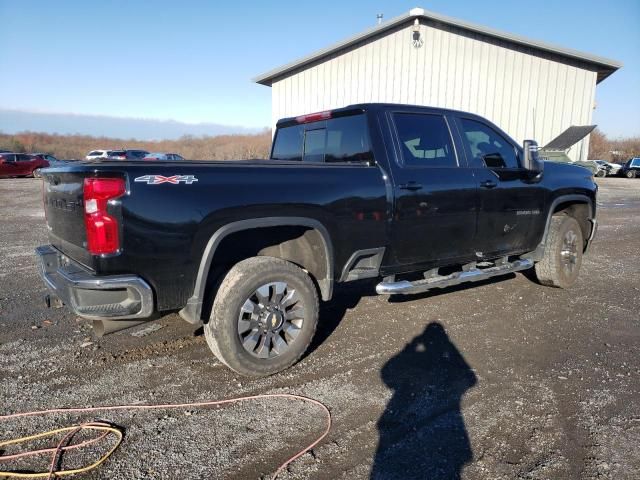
(531, 161)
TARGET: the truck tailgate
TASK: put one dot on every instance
(64, 211)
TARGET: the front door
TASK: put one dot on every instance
(510, 202)
(435, 194)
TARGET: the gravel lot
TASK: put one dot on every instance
(508, 379)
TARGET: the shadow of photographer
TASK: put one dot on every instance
(422, 431)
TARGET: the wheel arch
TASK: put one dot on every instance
(192, 312)
(568, 203)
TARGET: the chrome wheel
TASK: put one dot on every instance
(569, 251)
(270, 320)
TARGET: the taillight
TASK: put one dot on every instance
(102, 228)
(314, 117)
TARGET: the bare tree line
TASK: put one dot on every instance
(222, 147)
(235, 147)
(618, 150)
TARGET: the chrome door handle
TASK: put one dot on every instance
(488, 184)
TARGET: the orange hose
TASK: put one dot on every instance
(110, 429)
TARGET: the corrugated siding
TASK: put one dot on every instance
(527, 95)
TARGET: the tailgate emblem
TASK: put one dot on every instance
(158, 179)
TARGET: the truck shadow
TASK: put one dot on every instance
(422, 432)
(347, 296)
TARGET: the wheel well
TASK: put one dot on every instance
(581, 212)
(301, 245)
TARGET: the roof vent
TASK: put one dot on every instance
(379, 17)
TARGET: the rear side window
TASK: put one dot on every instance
(425, 140)
(487, 146)
(95, 153)
(288, 143)
(342, 139)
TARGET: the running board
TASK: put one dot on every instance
(405, 287)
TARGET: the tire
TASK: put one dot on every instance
(244, 328)
(630, 174)
(563, 253)
(601, 173)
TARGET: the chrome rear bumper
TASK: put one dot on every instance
(112, 297)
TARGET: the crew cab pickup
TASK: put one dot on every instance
(418, 197)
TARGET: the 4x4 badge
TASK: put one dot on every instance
(158, 179)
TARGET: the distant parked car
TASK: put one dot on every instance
(20, 164)
(600, 170)
(53, 162)
(631, 169)
(164, 156)
(94, 154)
(608, 168)
(562, 157)
(616, 168)
(127, 154)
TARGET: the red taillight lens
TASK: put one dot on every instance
(102, 228)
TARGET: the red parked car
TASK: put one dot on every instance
(20, 164)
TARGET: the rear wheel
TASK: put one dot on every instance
(601, 173)
(631, 174)
(263, 317)
(563, 253)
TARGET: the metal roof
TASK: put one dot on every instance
(569, 137)
(604, 66)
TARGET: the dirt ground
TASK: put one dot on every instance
(507, 379)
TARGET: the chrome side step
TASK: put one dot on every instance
(405, 287)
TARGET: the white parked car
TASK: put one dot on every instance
(93, 154)
(611, 169)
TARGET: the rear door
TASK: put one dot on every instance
(434, 191)
(24, 164)
(510, 202)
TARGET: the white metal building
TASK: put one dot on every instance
(529, 88)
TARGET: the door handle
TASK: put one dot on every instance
(488, 184)
(412, 186)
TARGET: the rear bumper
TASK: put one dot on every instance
(112, 297)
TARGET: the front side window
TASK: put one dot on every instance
(424, 140)
(488, 146)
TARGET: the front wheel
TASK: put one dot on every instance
(562, 254)
(263, 317)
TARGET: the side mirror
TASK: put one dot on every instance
(531, 161)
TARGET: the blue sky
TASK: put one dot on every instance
(193, 61)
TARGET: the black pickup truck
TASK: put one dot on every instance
(421, 198)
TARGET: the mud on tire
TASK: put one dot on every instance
(563, 253)
(264, 316)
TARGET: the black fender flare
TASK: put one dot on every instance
(538, 253)
(192, 311)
